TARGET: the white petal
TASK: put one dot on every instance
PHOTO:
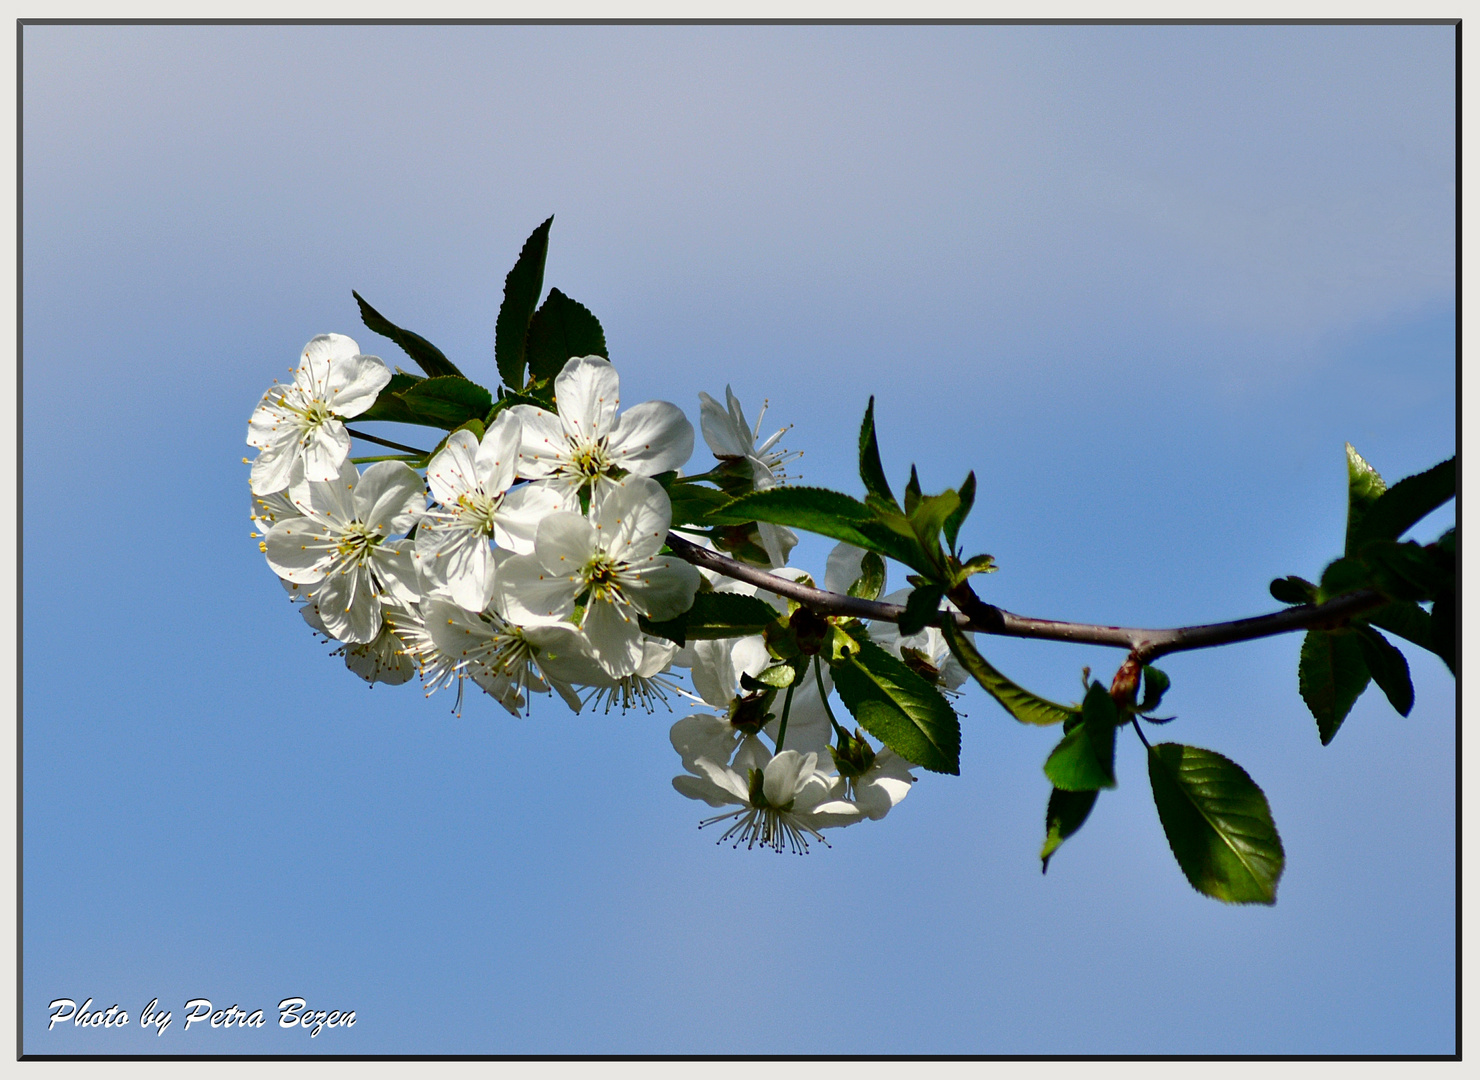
(615, 637)
(703, 789)
(318, 360)
(300, 550)
(632, 515)
(520, 512)
(452, 471)
(527, 594)
(498, 453)
(586, 393)
(325, 451)
(724, 436)
(354, 384)
(542, 441)
(652, 438)
(783, 773)
(661, 586)
(388, 497)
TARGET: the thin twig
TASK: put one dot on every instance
(983, 618)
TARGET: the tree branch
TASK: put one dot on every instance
(983, 618)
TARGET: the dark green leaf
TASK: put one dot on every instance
(1218, 824)
(522, 290)
(388, 404)
(1403, 505)
(1363, 488)
(714, 615)
(1344, 576)
(967, 494)
(1404, 618)
(559, 330)
(1388, 666)
(870, 581)
(1024, 706)
(1441, 628)
(1293, 590)
(829, 513)
(912, 493)
(507, 399)
(1084, 760)
(1408, 571)
(900, 708)
(427, 356)
(1156, 684)
(692, 503)
(921, 609)
(870, 468)
(1067, 811)
(447, 401)
(1333, 674)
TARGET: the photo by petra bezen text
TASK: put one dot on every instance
(291, 1012)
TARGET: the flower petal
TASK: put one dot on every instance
(586, 393)
(652, 438)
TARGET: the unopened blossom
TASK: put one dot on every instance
(586, 446)
(302, 421)
(781, 800)
(472, 505)
(926, 651)
(612, 561)
(342, 546)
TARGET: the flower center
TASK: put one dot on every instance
(602, 577)
(475, 510)
(356, 541)
(589, 459)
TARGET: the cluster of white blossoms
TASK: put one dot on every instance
(523, 562)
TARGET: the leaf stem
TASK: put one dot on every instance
(1137, 725)
(385, 442)
(983, 618)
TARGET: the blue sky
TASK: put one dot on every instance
(1146, 281)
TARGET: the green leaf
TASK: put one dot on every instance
(828, 513)
(1333, 674)
(870, 581)
(1404, 618)
(1156, 684)
(1294, 590)
(522, 290)
(1084, 760)
(870, 468)
(1344, 576)
(1025, 706)
(1218, 824)
(1403, 505)
(1444, 616)
(693, 503)
(1067, 811)
(977, 564)
(427, 356)
(388, 404)
(1408, 571)
(967, 494)
(929, 517)
(714, 615)
(900, 708)
(1388, 666)
(921, 609)
(1363, 488)
(912, 493)
(559, 330)
(447, 401)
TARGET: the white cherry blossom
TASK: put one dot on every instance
(782, 800)
(586, 445)
(926, 651)
(301, 422)
(496, 654)
(469, 481)
(612, 561)
(342, 545)
(731, 439)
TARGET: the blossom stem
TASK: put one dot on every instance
(984, 618)
(817, 662)
(785, 715)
